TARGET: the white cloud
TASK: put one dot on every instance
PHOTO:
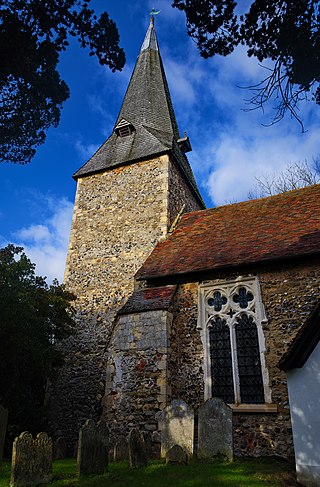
(234, 159)
(184, 80)
(118, 81)
(38, 233)
(97, 105)
(230, 146)
(46, 243)
(85, 150)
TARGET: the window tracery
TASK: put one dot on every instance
(230, 318)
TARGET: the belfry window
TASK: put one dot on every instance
(230, 320)
(124, 128)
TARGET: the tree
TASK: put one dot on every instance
(284, 31)
(295, 175)
(33, 317)
(33, 33)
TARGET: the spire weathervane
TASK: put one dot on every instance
(154, 12)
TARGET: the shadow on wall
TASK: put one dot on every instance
(304, 397)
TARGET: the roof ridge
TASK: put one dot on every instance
(252, 201)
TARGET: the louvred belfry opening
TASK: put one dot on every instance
(124, 128)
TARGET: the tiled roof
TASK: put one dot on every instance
(148, 108)
(282, 226)
(149, 299)
(304, 343)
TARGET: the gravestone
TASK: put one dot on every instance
(31, 460)
(93, 448)
(137, 449)
(121, 450)
(148, 442)
(215, 430)
(176, 454)
(60, 449)
(3, 429)
(177, 427)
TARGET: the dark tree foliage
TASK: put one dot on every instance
(285, 31)
(33, 317)
(33, 33)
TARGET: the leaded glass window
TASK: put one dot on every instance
(243, 297)
(221, 360)
(231, 314)
(217, 301)
(249, 365)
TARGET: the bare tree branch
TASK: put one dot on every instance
(277, 87)
(295, 175)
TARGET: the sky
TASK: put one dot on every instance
(231, 146)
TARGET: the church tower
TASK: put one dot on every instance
(128, 196)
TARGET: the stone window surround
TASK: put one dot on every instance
(256, 310)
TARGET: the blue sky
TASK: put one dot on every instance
(230, 145)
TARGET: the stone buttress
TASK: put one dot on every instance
(128, 195)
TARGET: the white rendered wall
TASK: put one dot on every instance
(304, 397)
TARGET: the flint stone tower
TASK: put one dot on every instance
(128, 196)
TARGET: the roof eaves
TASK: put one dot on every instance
(149, 299)
(201, 274)
(79, 171)
(125, 163)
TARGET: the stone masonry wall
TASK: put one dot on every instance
(289, 293)
(136, 387)
(186, 350)
(119, 216)
(179, 194)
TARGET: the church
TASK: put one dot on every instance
(176, 301)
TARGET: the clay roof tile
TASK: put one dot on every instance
(281, 226)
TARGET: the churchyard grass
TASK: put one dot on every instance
(240, 473)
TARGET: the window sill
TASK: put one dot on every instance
(254, 408)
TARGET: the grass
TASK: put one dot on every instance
(240, 473)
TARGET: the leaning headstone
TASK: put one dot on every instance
(3, 429)
(177, 427)
(176, 454)
(215, 430)
(31, 460)
(121, 450)
(93, 448)
(137, 449)
(60, 449)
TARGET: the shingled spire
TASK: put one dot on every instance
(146, 125)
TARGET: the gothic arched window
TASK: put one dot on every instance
(231, 313)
